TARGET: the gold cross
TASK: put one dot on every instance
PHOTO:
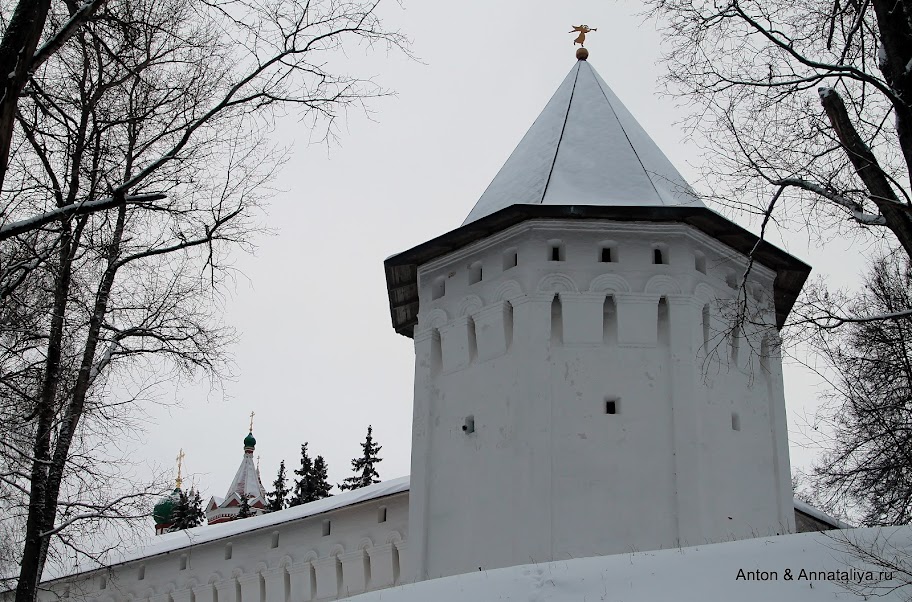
(180, 463)
(252, 414)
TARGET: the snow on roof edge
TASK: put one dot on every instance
(170, 542)
(820, 515)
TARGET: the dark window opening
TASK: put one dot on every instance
(475, 274)
(510, 259)
(611, 406)
(327, 528)
(606, 255)
(658, 257)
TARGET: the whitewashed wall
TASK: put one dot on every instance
(286, 562)
(531, 354)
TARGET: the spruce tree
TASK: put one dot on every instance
(188, 512)
(245, 511)
(299, 495)
(276, 497)
(318, 485)
(364, 467)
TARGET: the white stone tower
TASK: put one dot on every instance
(565, 402)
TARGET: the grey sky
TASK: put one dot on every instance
(318, 359)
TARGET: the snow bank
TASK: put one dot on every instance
(753, 570)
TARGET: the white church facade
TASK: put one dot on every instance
(580, 389)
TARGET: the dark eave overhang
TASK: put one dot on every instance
(402, 269)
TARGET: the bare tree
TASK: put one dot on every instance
(866, 470)
(804, 107)
(22, 52)
(138, 162)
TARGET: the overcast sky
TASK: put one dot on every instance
(318, 359)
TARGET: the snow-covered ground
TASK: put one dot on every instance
(771, 568)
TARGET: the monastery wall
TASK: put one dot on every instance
(327, 555)
(577, 393)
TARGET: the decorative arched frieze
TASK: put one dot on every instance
(214, 578)
(612, 283)
(436, 318)
(394, 537)
(310, 556)
(260, 567)
(660, 284)
(558, 283)
(507, 291)
(469, 305)
(705, 293)
(237, 572)
(365, 544)
(190, 583)
(286, 561)
(337, 550)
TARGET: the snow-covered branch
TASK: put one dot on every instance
(854, 207)
(68, 211)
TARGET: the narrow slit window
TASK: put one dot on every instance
(468, 427)
(658, 256)
(508, 323)
(510, 259)
(228, 551)
(736, 421)
(612, 406)
(473, 341)
(606, 255)
(555, 254)
(183, 562)
(327, 527)
(436, 353)
(102, 583)
(381, 514)
(705, 317)
(700, 262)
(557, 321)
(142, 573)
(475, 274)
(438, 289)
(275, 540)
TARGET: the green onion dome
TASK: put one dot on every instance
(163, 511)
(249, 440)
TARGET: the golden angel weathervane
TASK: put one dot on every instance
(583, 30)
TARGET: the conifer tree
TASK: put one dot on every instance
(276, 497)
(188, 512)
(299, 494)
(245, 511)
(318, 484)
(364, 467)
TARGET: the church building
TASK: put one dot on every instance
(597, 372)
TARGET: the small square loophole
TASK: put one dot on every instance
(612, 406)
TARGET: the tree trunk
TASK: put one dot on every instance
(16, 51)
(868, 169)
(32, 562)
(894, 21)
